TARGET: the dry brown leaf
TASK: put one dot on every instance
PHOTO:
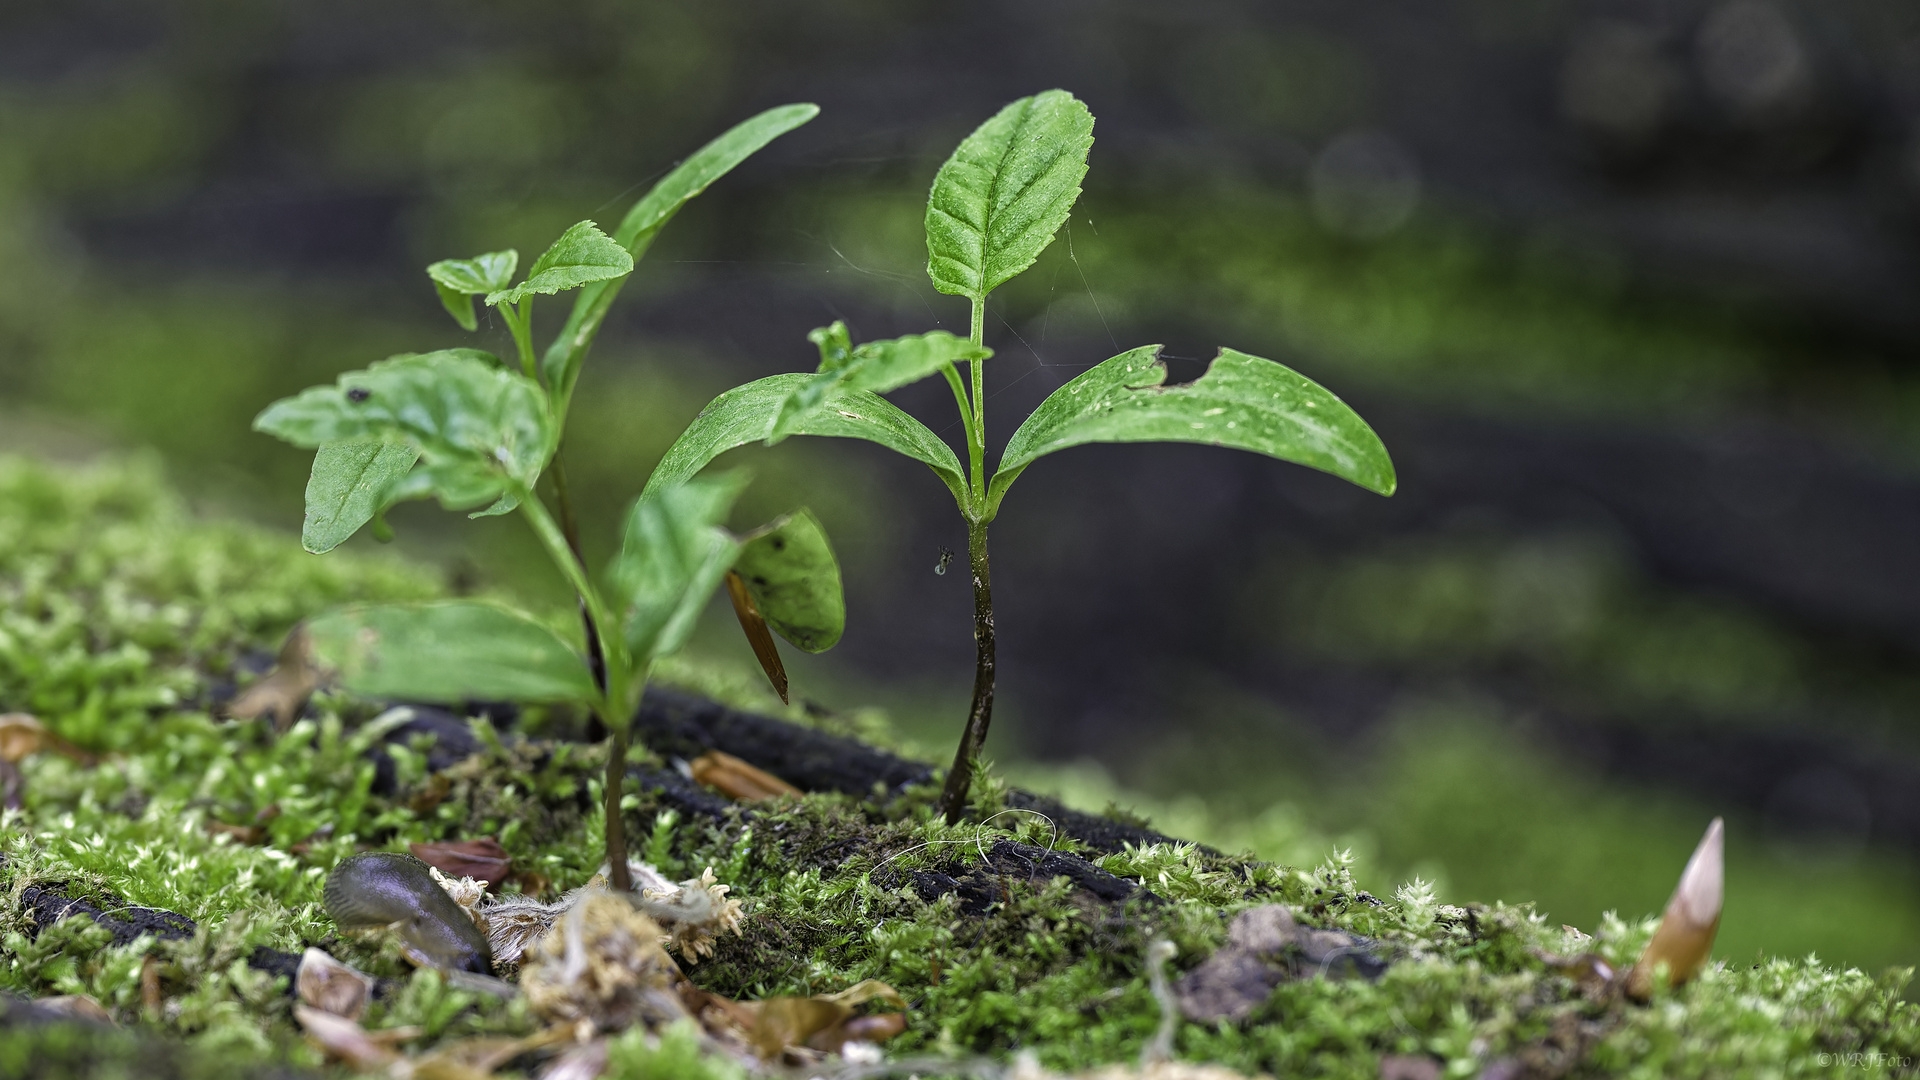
(1684, 939)
(284, 691)
(339, 1037)
(151, 997)
(478, 1057)
(754, 625)
(736, 779)
(824, 1022)
(1027, 1067)
(326, 983)
(482, 859)
(584, 1062)
(21, 735)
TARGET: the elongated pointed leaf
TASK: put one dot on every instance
(456, 650)
(672, 556)
(348, 486)
(479, 428)
(795, 581)
(583, 254)
(1006, 190)
(747, 414)
(1242, 401)
(561, 364)
(876, 367)
(458, 281)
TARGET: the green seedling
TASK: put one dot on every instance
(995, 205)
(461, 426)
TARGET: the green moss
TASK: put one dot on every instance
(144, 608)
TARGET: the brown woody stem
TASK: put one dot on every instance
(953, 798)
(618, 879)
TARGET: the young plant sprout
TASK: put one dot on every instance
(995, 205)
(460, 426)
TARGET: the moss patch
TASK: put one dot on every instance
(126, 620)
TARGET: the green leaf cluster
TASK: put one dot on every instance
(460, 426)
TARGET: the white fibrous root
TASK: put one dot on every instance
(691, 914)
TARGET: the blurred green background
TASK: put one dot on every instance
(1628, 289)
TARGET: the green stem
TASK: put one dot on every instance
(960, 400)
(570, 529)
(520, 322)
(613, 705)
(977, 421)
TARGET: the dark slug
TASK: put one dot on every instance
(379, 888)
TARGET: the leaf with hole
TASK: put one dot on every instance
(456, 650)
(673, 553)
(747, 413)
(480, 429)
(348, 486)
(561, 364)
(790, 570)
(1006, 190)
(875, 367)
(1242, 401)
(583, 254)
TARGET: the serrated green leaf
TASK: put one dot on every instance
(876, 367)
(348, 486)
(481, 430)
(673, 554)
(583, 254)
(1006, 190)
(477, 276)
(457, 650)
(790, 570)
(561, 364)
(1246, 402)
(747, 414)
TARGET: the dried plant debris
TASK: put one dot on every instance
(602, 968)
(1685, 938)
(736, 779)
(283, 692)
(691, 913)
(1265, 947)
(826, 1023)
(331, 986)
(1027, 1067)
(21, 736)
(482, 859)
(344, 1040)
